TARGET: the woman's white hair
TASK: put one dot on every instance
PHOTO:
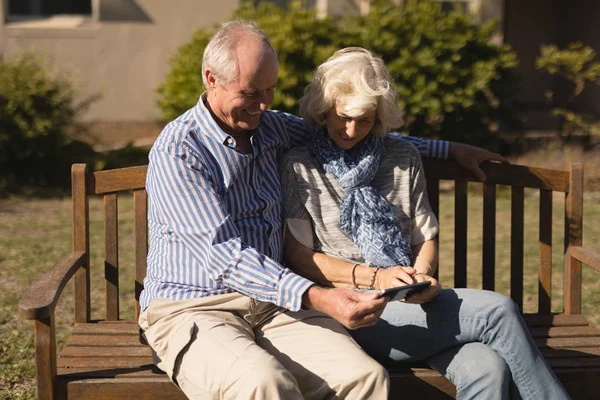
(220, 54)
(358, 82)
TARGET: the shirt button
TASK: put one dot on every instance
(288, 305)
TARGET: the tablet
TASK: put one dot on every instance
(400, 292)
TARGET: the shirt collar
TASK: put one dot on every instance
(210, 127)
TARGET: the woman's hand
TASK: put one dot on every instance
(428, 293)
(394, 276)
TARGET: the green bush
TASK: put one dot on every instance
(575, 64)
(302, 41)
(452, 81)
(36, 106)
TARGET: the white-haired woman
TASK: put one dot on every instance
(357, 214)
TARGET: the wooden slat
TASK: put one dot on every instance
(104, 362)
(45, 357)
(148, 371)
(568, 352)
(117, 180)
(111, 258)
(575, 362)
(489, 236)
(460, 234)
(516, 245)
(127, 388)
(535, 320)
(500, 174)
(81, 242)
(420, 383)
(103, 340)
(568, 342)
(140, 233)
(564, 331)
(586, 256)
(122, 328)
(107, 351)
(574, 237)
(545, 266)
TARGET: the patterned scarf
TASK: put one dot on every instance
(365, 215)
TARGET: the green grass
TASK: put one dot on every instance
(36, 233)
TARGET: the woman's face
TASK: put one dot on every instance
(346, 132)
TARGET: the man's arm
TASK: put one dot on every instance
(469, 157)
(189, 209)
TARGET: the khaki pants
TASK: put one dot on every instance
(233, 347)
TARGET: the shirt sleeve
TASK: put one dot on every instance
(191, 210)
(295, 131)
(427, 148)
(424, 224)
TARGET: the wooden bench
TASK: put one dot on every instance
(106, 359)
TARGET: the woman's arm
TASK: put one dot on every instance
(333, 272)
(321, 268)
(425, 257)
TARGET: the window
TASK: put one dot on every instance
(70, 13)
(49, 7)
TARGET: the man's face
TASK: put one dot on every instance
(239, 105)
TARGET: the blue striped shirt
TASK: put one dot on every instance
(214, 214)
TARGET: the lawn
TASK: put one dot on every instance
(34, 233)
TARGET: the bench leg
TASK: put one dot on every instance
(45, 357)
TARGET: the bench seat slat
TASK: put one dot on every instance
(104, 362)
(103, 340)
(112, 373)
(127, 388)
(106, 351)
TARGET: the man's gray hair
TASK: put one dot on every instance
(220, 53)
(354, 79)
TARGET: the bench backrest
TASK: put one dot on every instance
(109, 183)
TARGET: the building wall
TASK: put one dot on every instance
(123, 56)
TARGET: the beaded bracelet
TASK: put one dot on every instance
(372, 281)
(354, 276)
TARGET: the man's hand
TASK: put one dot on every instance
(470, 157)
(394, 276)
(351, 308)
(428, 293)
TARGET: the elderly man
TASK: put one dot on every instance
(224, 317)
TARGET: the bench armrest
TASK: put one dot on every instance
(41, 296)
(586, 256)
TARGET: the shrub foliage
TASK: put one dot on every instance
(453, 82)
(36, 107)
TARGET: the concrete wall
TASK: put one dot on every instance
(124, 56)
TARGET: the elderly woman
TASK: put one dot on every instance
(357, 215)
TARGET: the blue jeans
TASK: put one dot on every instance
(476, 338)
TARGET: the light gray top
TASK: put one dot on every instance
(312, 199)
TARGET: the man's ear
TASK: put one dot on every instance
(211, 80)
